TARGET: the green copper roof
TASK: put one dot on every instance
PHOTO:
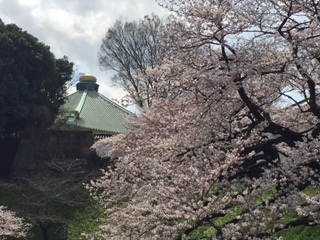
(94, 111)
(97, 112)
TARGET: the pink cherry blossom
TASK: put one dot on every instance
(218, 135)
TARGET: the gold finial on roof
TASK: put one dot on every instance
(88, 78)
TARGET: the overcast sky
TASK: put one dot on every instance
(75, 28)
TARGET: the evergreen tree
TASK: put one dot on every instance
(32, 80)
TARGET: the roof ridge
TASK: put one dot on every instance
(81, 102)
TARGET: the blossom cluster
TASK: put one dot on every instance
(11, 225)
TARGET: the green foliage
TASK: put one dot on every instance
(266, 196)
(300, 233)
(51, 208)
(86, 221)
(236, 211)
(290, 216)
(32, 80)
(206, 231)
(33, 203)
(203, 232)
(311, 191)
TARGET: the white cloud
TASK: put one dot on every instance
(75, 28)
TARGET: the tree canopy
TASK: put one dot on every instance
(216, 157)
(130, 49)
(32, 80)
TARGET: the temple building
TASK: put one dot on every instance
(86, 117)
(88, 110)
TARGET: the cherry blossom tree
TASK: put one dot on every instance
(11, 225)
(217, 155)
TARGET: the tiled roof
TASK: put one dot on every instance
(97, 112)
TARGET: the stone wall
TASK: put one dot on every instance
(47, 145)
